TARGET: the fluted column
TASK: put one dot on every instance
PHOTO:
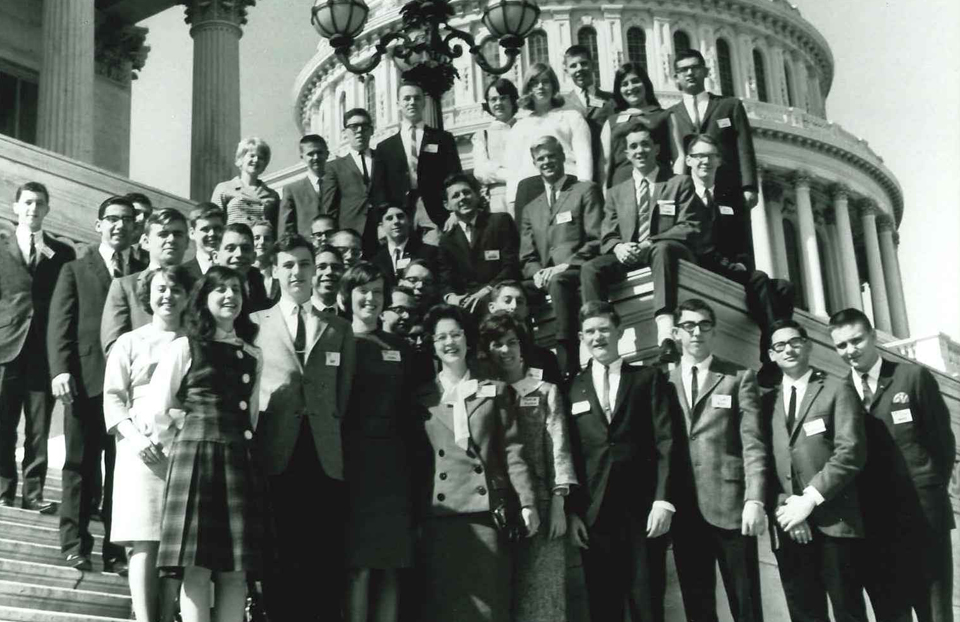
(878, 287)
(65, 106)
(848, 256)
(892, 277)
(762, 250)
(661, 67)
(215, 26)
(777, 240)
(809, 253)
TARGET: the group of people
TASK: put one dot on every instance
(339, 396)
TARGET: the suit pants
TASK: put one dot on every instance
(697, 548)
(86, 439)
(564, 292)
(824, 566)
(598, 274)
(23, 388)
(308, 511)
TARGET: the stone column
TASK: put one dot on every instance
(848, 257)
(748, 76)
(772, 197)
(762, 250)
(800, 80)
(892, 278)
(65, 106)
(564, 35)
(660, 67)
(215, 26)
(878, 287)
(809, 253)
(615, 53)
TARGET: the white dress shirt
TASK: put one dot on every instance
(405, 137)
(368, 158)
(107, 253)
(205, 260)
(392, 249)
(289, 310)
(23, 241)
(314, 180)
(472, 224)
(801, 384)
(701, 190)
(702, 99)
(321, 307)
(596, 374)
(686, 374)
(873, 378)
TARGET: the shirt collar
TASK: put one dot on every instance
(873, 373)
(702, 367)
(107, 253)
(801, 382)
(614, 367)
(321, 306)
(391, 247)
(288, 307)
(405, 126)
(313, 178)
(24, 233)
(699, 188)
(651, 179)
(699, 97)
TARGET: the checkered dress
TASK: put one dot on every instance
(212, 514)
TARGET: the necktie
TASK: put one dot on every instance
(709, 199)
(605, 393)
(643, 211)
(32, 259)
(586, 98)
(867, 392)
(117, 265)
(792, 409)
(468, 230)
(414, 156)
(300, 339)
(397, 256)
(696, 115)
(551, 196)
(694, 388)
(366, 173)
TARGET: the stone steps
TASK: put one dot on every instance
(26, 614)
(65, 600)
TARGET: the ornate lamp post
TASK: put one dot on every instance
(425, 46)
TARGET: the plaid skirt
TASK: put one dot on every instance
(212, 509)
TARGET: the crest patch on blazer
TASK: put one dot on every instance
(901, 398)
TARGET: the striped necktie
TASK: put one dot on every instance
(643, 211)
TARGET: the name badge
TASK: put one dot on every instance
(596, 102)
(668, 208)
(391, 355)
(563, 217)
(722, 401)
(726, 210)
(533, 400)
(535, 373)
(902, 416)
(488, 390)
(812, 428)
(579, 408)
(624, 117)
(724, 122)
(403, 262)
(491, 255)
(431, 148)
(47, 252)
(333, 359)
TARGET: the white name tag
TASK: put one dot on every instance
(668, 209)
(391, 355)
(563, 217)
(624, 117)
(491, 255)
(333, 359)
(723, 122)
(533, 400)
(47, 252)
(726, 210)
(722, 401)
(902, 416)
(580, 407)
(431, 148)
(403, 262)
(812, 428)
(535, 372)
(488, 390)
(596, 102)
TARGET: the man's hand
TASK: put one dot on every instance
(658, 521)
(451, 222)
(794, 511)
(470, 302)
(738, 267)
(63, 388)
(558, 519)
(454, 300)
(626, 253)
(754, 521)
(750, 198)
(531, 520)
(578, 532)
(543, 277)
(801, 534)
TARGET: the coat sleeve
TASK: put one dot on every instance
(330, 193)
(756, 451)
(509, 250)
(529, 257)
(592, 214)
(849, 444)
(661, 410)
(117, 392)
(287, 217)
(610, 226)
(517, 469)
(940, 441)
(560, 461)
(748, 159)
(691, 219)
(447, 272)
(62, 326)
(116, 318)
(348, 369)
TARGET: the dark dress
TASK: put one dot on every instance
(654, 117)
(376, 453)
(212, 515)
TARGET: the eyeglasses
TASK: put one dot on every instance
(416, 280)
(344, 250)
(796, 343)
(705, 326)
(111, 219)
(401, 310)
(356, 128)
(455, 335)
(703, 156)
(689, 68)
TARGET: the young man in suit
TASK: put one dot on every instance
(264, 238)
(322, 227)
(30, 262)
(301, 199)
(479, 250)
(76, 369)
(309, 360)
(402, 247)
(560, 231)
(329, 269)
(725, 120)
(510, 296)
(719, 475)
(236, 251)
(594, 104)
(166, 231)
(904, 487)
(651, 219)
(206, 222)
(622, 441)
(415, 161)
(819, 448)
(144, 207)
(346, 186)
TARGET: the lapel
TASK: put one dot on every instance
(712, 101)
(681, 111)
(14, 248)
(779, 414)
(479, 226)
(595, 410)
(627, 217)
(474, 402)
(273, 322)
(709, 382)
(626, 383)
(886, 377)
(676, 377)
(320, 325)
(431, 396)
(814, 387)
(99, 267)
(562, 196)
(429, 138)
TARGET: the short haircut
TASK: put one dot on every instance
(205, 211)
(504, 284)
(353, 233)
(577, 50)
(355, 112)
(444, 311)
(124, 201)
(695, 139)
(200, 324)
(412, 83)
(326, 217)
(791, 323)
(694, 305)
(496, 326)
(599, 308)
(688, 53)
(548, 142)
(403, 289)
(179, 275)
(850, 316)
(638, 70)
(164, 216)
(240, 228)
(534, 73)
(503, 87)
(461, 178)
(263, 223)
(422, 263)
(289, 241)
(306, 139)
(327, 248)
(361, 274)
(386, 207)
(251, 143)
(633, 127)
(142, 199)
(32, 186)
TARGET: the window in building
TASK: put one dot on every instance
(761, 72)
(794, 269)
(788, 78)
(18, 106)
(637, 45)
(370, 97)
(538, 50)
(681, 42)
(491, 53)
(587, 37)
(725, 67)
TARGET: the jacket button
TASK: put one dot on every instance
(247, 434)
(239, 354)
(243, 405)
(481, 490)
(245, 378)
(478, 469)
(443, 476)
(440, 453)
(441, 497)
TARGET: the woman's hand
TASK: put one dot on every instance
(531, 520)
(558, 518)
(149, 452)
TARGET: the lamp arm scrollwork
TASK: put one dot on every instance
(476, 50)
(403, 50)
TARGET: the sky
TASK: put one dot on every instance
(896, 84)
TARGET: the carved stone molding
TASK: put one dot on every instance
(120, 51)
(840, 192)
(868, 207)
(802, 179)
(884, 223)
(772, 191)
(234, 12)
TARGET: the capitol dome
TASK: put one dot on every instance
(829, 206)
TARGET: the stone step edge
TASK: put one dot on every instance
(54, 616)
(29, 569)
(78, 592)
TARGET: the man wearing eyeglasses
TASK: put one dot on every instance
(301, 199)
(321, 228)
(819, 449)
(419, 277)
(719, 474)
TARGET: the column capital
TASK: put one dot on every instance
(772, 191)
(802, 179)
(840, 192)
(120, 51)
(868, 207)
(226, 11)
(884, 223)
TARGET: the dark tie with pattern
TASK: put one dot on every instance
(696, 114)
(694, 388)
(32, 259)
(300, 339)
(363, 166)
(867, 392)
(605, 393)
(117, 265)
(792, 409)
(643, 211)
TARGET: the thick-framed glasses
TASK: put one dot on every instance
(705, 326)
(416, 280)
(356, 128)
(455, 335)
(796, 343)
(703, 156)
(112, 220)
(401, 310)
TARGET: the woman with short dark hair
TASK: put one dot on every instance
(491, 164)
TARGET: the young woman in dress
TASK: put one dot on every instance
(539, 582)
(491, 161)
(141, 466)
(205, 396)
(246, 198)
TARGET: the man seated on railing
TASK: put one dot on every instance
(650, 220)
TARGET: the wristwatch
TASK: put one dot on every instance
(563, 491)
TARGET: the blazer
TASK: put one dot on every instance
(193, 267)
(122, 311)
(568, 232)
(687, 226)
(299, 205)
(494, 254)
(639, 438)
(344, 196)
(720, 449)
(25, 297)
(76, 308)
(318, 390)
(725, 121)
(454, 481)
(438, 159)
(912, 452)
(414, 249)
(595, 116)
(828, 455)
(728, 235)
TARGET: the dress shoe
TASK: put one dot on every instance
(95, 515)
(769, 375)
(669, 352)
(44, 507)
(115, 566)
(5, 503)
(80, 562)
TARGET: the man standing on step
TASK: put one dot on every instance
(30, 262)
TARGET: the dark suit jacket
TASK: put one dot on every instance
(528, 189)
(726, 122)
(415, 249)
(685, 226)
(299, 205)
(545, 242)
(595, 116)
(829, 460)
(73, 336)
(438, 159)
(193, 267)
(25, 299)
(909, 465)
(728, 235)
(464, 267)
(639, 439)
(122, 312)
(344, 196)
(720, 449)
